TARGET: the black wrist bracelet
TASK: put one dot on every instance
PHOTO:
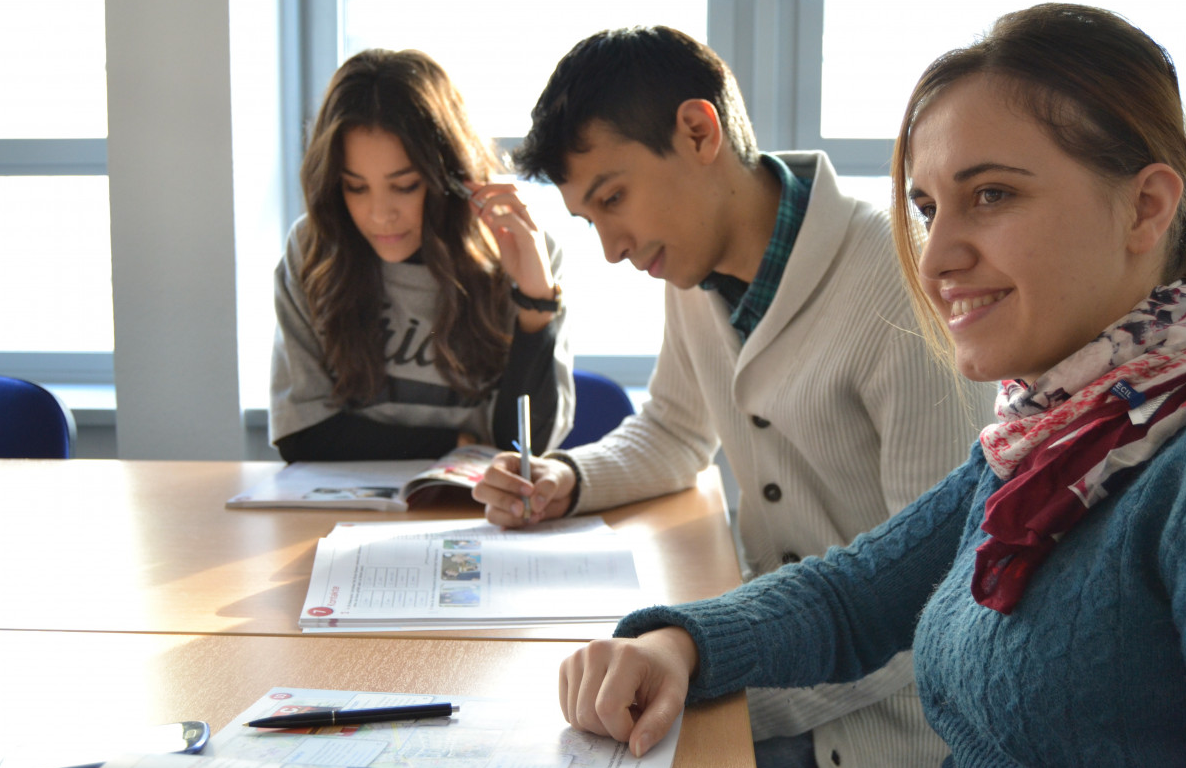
(539, 305)
(564, 458)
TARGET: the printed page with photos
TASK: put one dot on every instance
(400, 576)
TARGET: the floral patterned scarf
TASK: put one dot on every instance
(1077, 434)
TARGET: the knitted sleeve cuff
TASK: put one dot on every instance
(724, 640)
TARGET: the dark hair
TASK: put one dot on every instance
(1104, 91)
(407, 94)
(633, 80)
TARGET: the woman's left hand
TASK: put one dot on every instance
(520, 243)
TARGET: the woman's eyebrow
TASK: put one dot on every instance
(970, 173)
(980, 168)
(392, 175)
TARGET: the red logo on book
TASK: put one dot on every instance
(320, 611)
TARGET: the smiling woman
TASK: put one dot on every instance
(1023, 241)
(401, 325)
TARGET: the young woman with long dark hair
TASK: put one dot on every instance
(417, 299)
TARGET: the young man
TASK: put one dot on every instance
(788, 341)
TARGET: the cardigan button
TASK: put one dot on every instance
(759, 422)
(772, 492)
(789, 557)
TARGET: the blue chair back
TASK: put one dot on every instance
(601, 406)
(34, 424)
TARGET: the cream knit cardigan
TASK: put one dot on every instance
(832, 416)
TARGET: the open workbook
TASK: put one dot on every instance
(483, 733)
(388, 486)
(454, 574)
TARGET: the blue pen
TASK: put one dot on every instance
(525, 447)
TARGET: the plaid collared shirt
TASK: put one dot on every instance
(748, 302)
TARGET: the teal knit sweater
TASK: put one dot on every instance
(1090, 668)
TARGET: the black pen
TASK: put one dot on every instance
(355, 716)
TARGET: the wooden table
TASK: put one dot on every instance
(128, 587)
(144, 546)
(157, 678)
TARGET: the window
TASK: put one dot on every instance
(863, 96)
(813, 75)
(55, 252)
(804, 86)
(851, 105)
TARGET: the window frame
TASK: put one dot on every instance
(761, 38)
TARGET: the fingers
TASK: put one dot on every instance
(521, 244)
(493, 201)
(657, 717)
(524, 254)
(589, 701)
(631, 690)
(502, 490)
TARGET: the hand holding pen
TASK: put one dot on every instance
(505, 484)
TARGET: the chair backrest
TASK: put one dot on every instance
(34, 423)
(601, 406)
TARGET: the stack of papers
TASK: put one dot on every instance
(457, 574)
(485, 733)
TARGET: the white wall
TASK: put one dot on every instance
(172, 230)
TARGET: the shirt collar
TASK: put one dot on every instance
(748, 302)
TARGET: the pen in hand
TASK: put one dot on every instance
(525, 447)
(356, 716)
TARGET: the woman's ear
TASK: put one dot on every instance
(1156, 189)
(698, 129)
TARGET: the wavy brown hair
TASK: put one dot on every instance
(1103, 90)
(407, 94)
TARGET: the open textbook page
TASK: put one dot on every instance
(385, 486)
(468, 574)
(469, 528)
(485, 733)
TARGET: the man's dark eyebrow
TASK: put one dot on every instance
(969, 173)
(597, 183)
